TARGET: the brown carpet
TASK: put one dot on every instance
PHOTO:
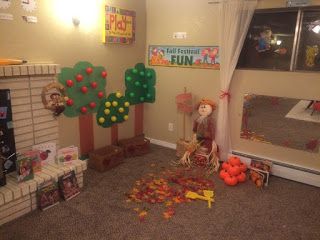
(284, 210)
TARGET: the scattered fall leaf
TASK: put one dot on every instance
(168, 188)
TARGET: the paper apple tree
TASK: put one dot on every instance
(114, 109)
(140, 84)
(85, 87)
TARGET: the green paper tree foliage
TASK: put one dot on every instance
(85, 87)
(140, 84)
(114, 109)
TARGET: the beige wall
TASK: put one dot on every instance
(199, 20)
(58, 41)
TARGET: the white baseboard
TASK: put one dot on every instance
(162, 143)
(291, 172)
(296, 175)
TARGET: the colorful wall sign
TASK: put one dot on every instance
(184, 56)
(120, 25)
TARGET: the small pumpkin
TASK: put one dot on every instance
(241, 177)
(234, 170)
(234, 161)
(253, 176)
(223, 174)
(225, 165)
(259, 183)
(231, 180)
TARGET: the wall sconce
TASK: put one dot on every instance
(72, 13)
(75, 21)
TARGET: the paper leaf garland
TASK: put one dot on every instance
(140, 84)
(85, 86)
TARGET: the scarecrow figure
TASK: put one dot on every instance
(202, 150)
(203, 126)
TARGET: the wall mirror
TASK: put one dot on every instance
(288, 122)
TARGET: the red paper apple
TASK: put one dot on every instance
(92, 104)
(44, 155)
(84, 89)
(83, 109)
(94, 84)
(79, 77)
(89, 70)
(69, 102)
(69, 83)
(100, 94)
(104, 74)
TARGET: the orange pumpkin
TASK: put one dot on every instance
(223, 174)
(234, 170)
(231, 180)
(241, 177)
(259, 183)
(254, 176)
(225, 165)
(234, 161)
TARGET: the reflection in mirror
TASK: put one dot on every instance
(287, 122)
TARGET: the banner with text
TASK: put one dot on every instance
(184, 56)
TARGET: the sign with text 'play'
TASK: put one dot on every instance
(119, 25)
(184, 56)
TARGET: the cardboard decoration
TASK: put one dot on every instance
(140, 84)
(114, 109)
(57, 97)
(84, 86)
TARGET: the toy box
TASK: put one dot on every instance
(135, 146)
(105, 158)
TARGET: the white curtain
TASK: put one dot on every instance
(235, 18)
